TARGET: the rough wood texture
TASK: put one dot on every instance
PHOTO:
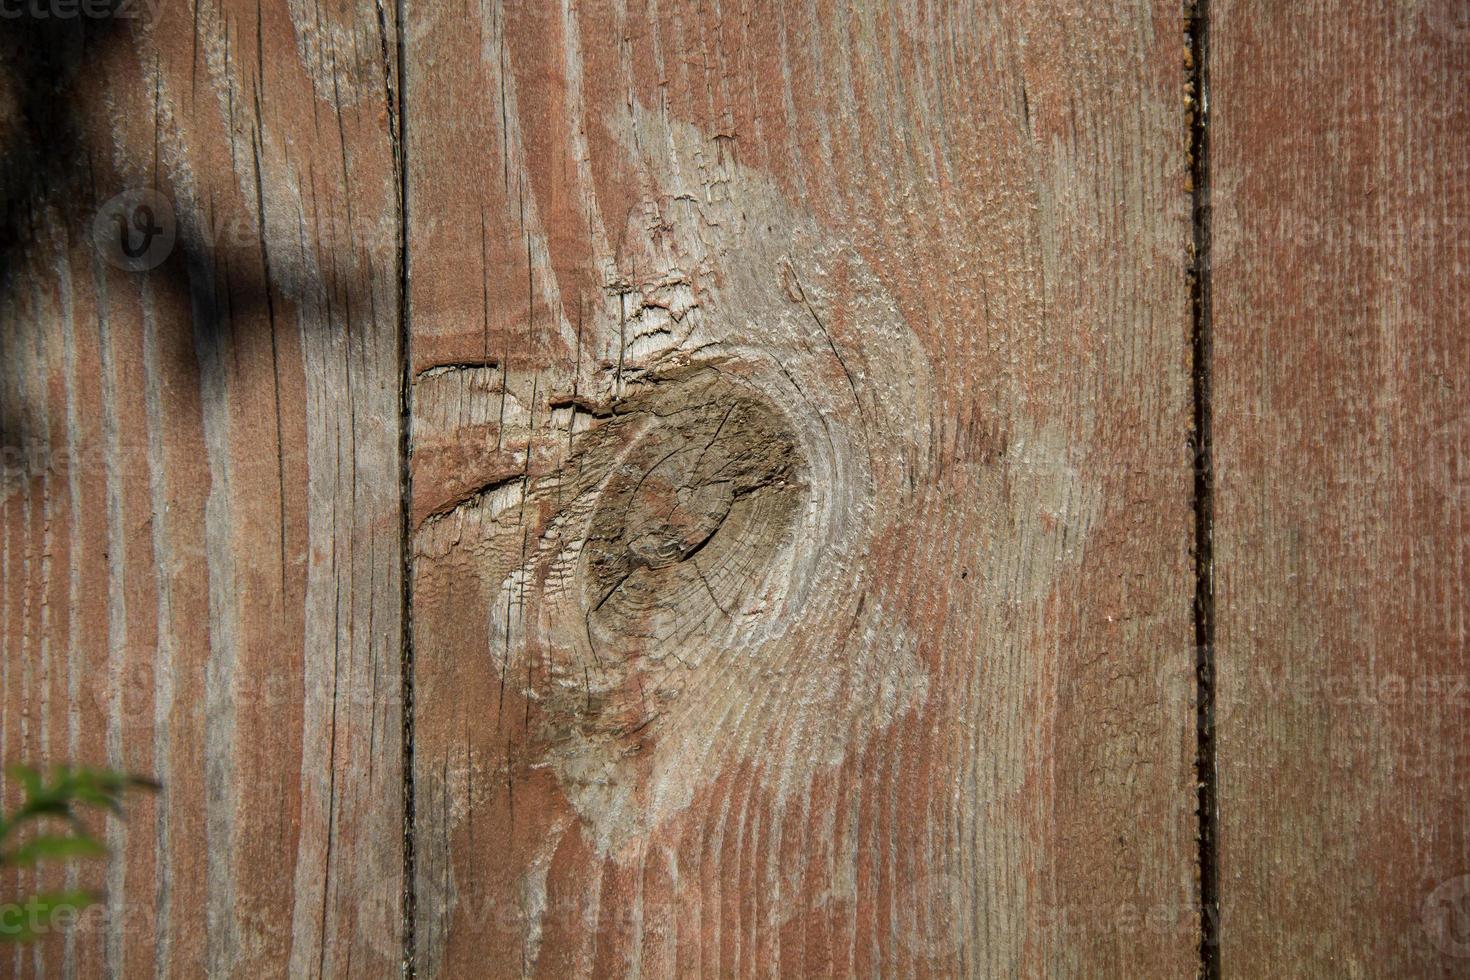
(1341, 199)
(200, 555)
(801, 489)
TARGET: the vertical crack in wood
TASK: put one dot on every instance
(395, 82)
(1204, 486)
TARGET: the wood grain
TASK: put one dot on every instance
(200, 556)
(801, 489)
(1340, 205)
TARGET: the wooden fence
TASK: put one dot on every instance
(657, 488)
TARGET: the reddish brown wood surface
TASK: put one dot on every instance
(1340, 212)
(801, 489)
(801, 492)
(199, 560)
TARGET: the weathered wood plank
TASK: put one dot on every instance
(1341, 200)
(201, 568)
(801, 489)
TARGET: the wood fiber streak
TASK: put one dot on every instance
(200, 552)
(801, 489)
(1341, 198)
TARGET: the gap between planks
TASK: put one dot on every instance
(1198, 83)
(394, 80)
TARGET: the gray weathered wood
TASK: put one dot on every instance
(201, 564)
(801, 489)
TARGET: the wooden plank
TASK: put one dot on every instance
(801, 489)
(1341, 199)
(201, 558)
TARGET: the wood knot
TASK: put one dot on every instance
(692, 516)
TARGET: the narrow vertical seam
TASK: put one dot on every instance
(396, 96)
(1204, 487)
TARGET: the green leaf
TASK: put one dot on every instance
(50, 847)
(53, 798)
(29, 778)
